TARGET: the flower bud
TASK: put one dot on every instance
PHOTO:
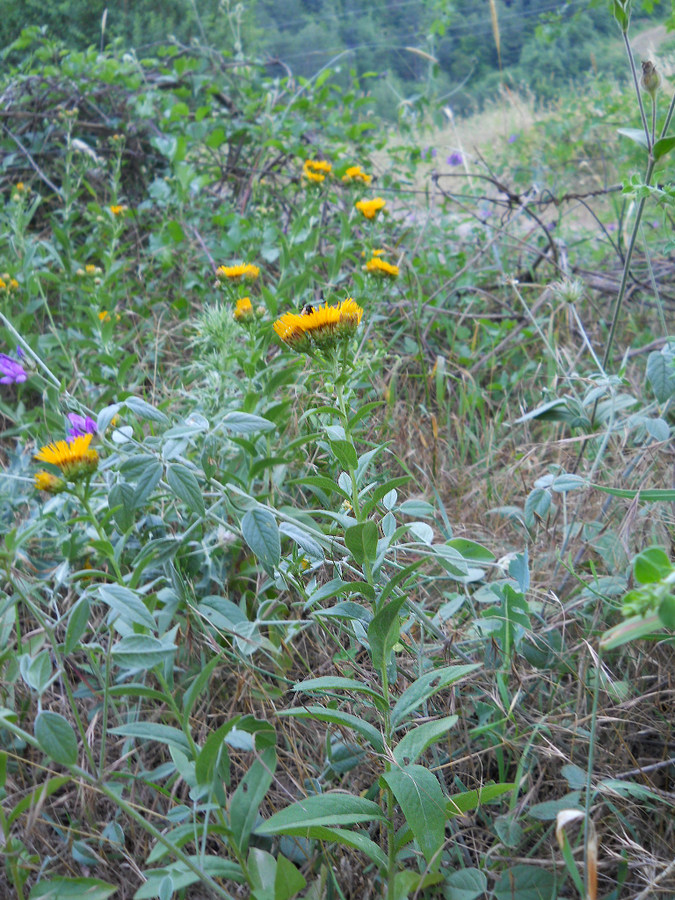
(651, 80)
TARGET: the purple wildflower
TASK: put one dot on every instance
(12, 371)
(513, 138)
(455, 159)
(80, 425)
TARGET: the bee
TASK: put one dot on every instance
(307, 310)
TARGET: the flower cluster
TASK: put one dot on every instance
(118, 209)
(7, 283)
(316, 169)
(244, 309)
(356, 173)
(80, 425)
(235, 274)
(370, 208)
(320, 327)
(75, 458)
(380, 267)
(11, 370)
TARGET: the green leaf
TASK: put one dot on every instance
(361, 541)
(648, 495)
(288, 880)
(155, 731)
(345, 454)
(415, 742)
(56, 737)
(331, 683)
(144, 410)
(59, 888)
(128, 605)
(245, 423)
(426, 686)
(183, 877)
(260, 531)
(122, 503)
(338, 717)
(661, 373)
(323, 484)
(537, 505)
(186, 487)
(526, 883)
(384, 632)
(305, 541)
(146, 472)
(667, 612)
(248, 797)
(422, 802)
(632, 629)
(78, 620)
(471, 551)
(462, 803)
(141, 651)
(663, 146)
(213, 759)
(465, 884)
(333, 808)
(652, 565)
(637, 135)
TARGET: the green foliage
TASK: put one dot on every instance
(256, 616)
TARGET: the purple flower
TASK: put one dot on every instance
(455, 159)
(80, 425)
(429, 153)
(12, 371)
(513, 138)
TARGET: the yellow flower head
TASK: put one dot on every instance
(13, 284)
(381, 268)
(75, 458)
(356, 173)
(51, 484)
(237, 273)
(91, 269)
(20, 187)
(320, 327)
(370, 208)
(243, 309)
(316, 169)
(3, 285)
(118, 210)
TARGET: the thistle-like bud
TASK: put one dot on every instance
(651, 80)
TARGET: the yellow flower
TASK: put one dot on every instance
(75, 458)
(2, 285)
(238, 273)
(45, 481)
(244, 308)
(317, 177)
(316, 169)
(356, 173)
(118, 210)
(20, 187)
(321, 326)
(13, 284)
(90, 269)
(318, 165)
(381, 267)
(370, 208)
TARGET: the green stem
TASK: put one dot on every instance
(637, 90)
(591, 756)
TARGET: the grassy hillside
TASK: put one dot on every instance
(337, 500)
